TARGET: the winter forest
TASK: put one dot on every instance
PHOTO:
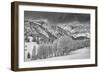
(56, 36)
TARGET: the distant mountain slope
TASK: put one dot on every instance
(52, 32)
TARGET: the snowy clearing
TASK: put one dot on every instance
(83, 53)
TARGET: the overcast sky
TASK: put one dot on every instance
(55, 17)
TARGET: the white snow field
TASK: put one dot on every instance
(83, 53)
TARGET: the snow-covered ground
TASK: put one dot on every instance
(83, 53)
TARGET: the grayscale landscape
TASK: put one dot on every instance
(56, 36)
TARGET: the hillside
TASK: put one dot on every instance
(55, 40)
(43, 29)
